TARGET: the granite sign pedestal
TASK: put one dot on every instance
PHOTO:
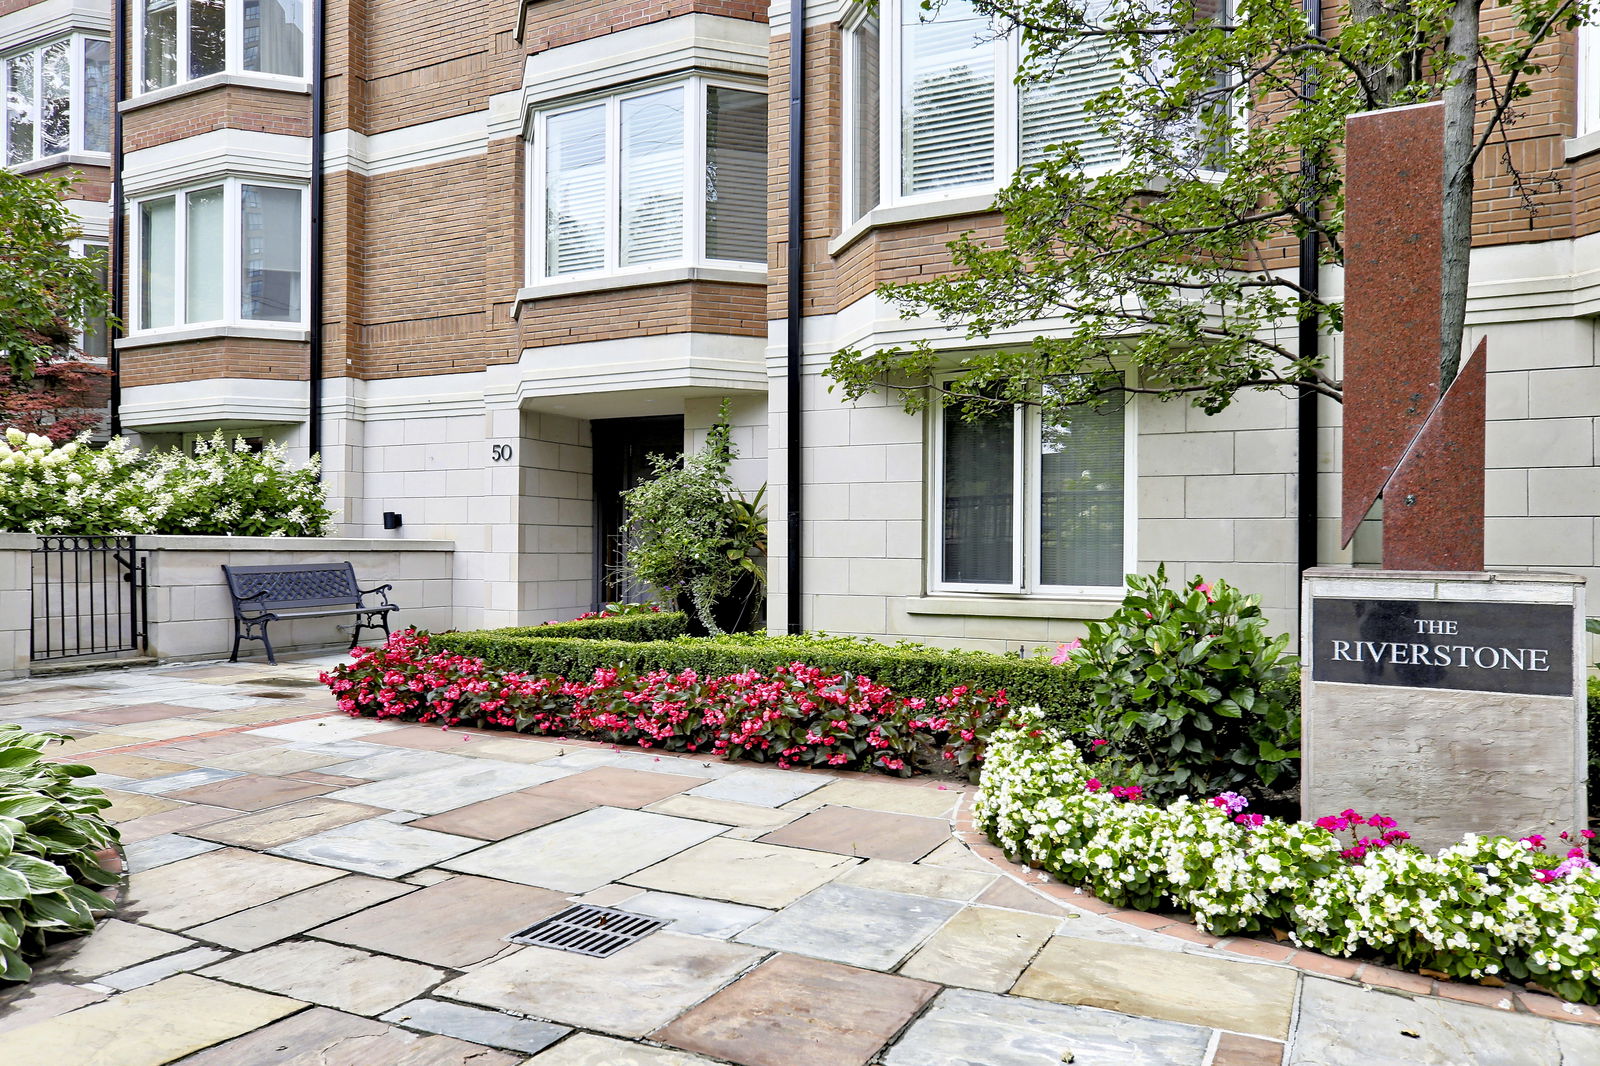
(1452, 702)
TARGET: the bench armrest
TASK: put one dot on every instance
(381, 590)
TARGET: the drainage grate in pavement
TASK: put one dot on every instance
(588, 930)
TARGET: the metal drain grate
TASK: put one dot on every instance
(588, 930)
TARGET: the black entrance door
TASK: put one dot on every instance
(622, 451)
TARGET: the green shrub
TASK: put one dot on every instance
(50, 832)
(1594, 748)
(909, 669)
(1189, 688)
(631, 628)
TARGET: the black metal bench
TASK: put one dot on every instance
(265, 594)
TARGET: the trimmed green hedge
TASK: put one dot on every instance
(632, 628)
(908, 669)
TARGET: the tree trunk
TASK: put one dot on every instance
(1460, 129)
(1384, 83)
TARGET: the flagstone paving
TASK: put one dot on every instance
(308, 889)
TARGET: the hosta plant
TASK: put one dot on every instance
(1189, 688)
(51, 832)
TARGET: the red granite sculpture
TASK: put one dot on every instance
(1420, 451)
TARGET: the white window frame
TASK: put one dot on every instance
(1587, 119)
(232, 48)
(851, 141)
(232, 243)
(81, 247)
(694, 227)
(1026, 513)
(77, 114)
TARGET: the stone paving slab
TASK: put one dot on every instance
(193, 891)
(864, 834)
(130, 765)
(114, 945)
(398, 763)
(160, 850)
(695, 917)
(873, 795)
(916, 879)
(479, 1026)
(1200, 990)
(503, 816)
(688, 805)
(177, 820)
(611, 786)
(291, 915)
(280, 825)
(252, 792)
(454, 923)
(760, 788)
(137, 712)
(585, 851)
(324, 730)
(127, 806)
(437, 791)
(272, 761)
(742, 871)
(982, 948)
(862, 927)
(323, 1037)
(25, 1005)
(631, 993)
(377, 847)
(587, 1049)
(149, 1026)
(800, 1012)
(187, 779)
(331, 975)
(148, 973)
(977, 1027)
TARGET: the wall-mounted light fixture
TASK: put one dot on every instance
(391, 520)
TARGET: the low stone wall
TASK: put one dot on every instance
(191, 614)
(16, 564)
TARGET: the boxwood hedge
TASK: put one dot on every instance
(908, 669)
(629, 627)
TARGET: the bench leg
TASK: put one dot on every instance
(355, 632)
(272, 658)
(237, 636)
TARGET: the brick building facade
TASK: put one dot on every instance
(553, 235)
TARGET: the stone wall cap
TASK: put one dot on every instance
(19, 541)
(1486, 577)
(299, 544)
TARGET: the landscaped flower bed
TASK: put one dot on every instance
(51, 833)
(1346, 885)
(794, 715)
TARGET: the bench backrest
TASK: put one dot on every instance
(293, 585)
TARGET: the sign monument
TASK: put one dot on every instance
(1447, 697)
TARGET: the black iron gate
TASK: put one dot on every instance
(89, 598)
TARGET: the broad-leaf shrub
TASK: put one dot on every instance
(223, 489)
(50, 832)
(793, 715)
(632, 627)
(1485, 906)
(1188, 686)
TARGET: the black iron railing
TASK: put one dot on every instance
(89, 598)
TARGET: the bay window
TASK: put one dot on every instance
(180, 40)
(1029, 504)
(229, 252)
(668, 175)
(57, 99)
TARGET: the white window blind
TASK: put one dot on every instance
(979, 497)
(1080, 498)
(575, 191)
(205, 272)
(158, 262)
(1051, 112)
(652, 178)
(947, 98)
(736, 175)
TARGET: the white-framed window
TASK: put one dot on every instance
(231, 251)
(96, 337)
(1025, 504)
(180, 40)
(57, 99)
(933, 109)
(665, 175)
(1588, 80)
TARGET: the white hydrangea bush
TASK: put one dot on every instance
(1486, 906)
(222, 489)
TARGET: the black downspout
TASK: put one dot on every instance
(117, 244)
(314, 282)
(1308, 507)
(793, 441)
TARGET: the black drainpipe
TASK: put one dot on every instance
(797, 100)
(1310, 341)
(314, 282)
(116, 244)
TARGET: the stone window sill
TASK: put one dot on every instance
(985, 606)
(200, 333)
(298, 86)
(64, 159)
(970, 204)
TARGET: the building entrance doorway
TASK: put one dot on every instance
(622, 451)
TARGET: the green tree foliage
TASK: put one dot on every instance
(47, 294)
(1232, 128)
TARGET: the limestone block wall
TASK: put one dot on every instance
(16, 569)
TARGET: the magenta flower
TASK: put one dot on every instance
(1064, 652)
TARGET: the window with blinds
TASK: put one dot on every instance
(947, 97)
(672, 175)
(1079, 497)
(980, 498)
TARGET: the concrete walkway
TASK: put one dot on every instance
(312, 889)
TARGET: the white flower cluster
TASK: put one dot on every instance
(1476, 908)
(222, 489)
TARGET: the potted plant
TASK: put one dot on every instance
(697, 539)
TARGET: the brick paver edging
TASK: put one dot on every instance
(1369, 974)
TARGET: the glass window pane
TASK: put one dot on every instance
(204, 274)
(157, 262)
(575, 191)
(1081, 498)
(865, 129)
(736, 175)
(980, 481)
(160, 43)
(946, 97)
(55, 99)
(274, 39)
(651, 209)
(95, 336)
(96, 95)
(207, 37)
(270, 236)
(21, 116)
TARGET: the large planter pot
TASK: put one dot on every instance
(741, 611)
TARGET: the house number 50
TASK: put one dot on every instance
(500, 453)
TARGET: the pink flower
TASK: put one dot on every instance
(1534, 842)
(1250, 820)
(1093, 784)
(1232, 802)
(1064, 651)
(1099, 742)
